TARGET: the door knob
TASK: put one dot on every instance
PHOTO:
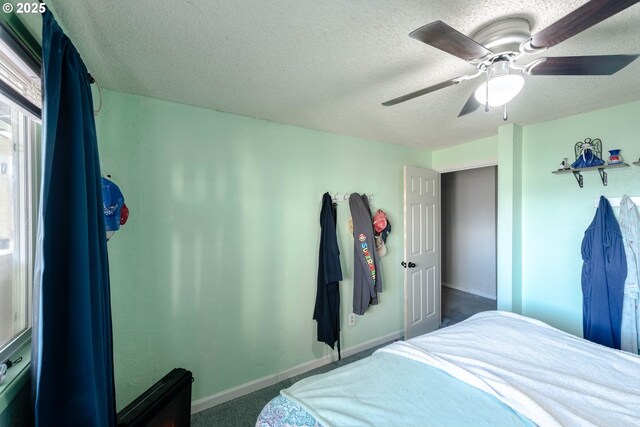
(411, 265)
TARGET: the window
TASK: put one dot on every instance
(20, 150)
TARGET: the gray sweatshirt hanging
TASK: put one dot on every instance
(367, 275)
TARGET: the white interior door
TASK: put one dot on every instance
(421, 251)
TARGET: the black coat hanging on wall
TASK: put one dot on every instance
(327, 308)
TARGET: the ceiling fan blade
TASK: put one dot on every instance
(586, 16)
(597, 65)
(440, 35)
(470, 106)
(421, 92)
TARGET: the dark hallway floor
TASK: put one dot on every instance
(458, 306)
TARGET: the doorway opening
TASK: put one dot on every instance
(468, 224)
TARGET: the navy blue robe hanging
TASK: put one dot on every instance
(603, 274)
(327, 307)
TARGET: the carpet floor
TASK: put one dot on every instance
(243, 411)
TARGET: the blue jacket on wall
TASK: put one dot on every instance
(603, 274)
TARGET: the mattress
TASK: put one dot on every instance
(282, 412)
(402, 392)
(495, 369)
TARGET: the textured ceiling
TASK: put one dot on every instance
(327, 65)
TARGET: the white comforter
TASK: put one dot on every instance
(551, 377)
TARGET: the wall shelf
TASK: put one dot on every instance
(577, 173)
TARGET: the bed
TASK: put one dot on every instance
(494, 369)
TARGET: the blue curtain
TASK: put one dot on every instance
(72, 351)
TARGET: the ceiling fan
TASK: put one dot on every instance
(502, 44)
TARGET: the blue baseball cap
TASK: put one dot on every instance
(112, 201)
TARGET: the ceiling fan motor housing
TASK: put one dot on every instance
(498, 68)
(504, 37)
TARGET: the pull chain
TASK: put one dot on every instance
(486, 102)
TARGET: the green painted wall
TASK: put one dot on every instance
(542, 217)
(216, 269)
(509, 231)
(481, 152)
(556, 212)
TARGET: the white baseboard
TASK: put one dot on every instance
(470, 290)
(260, 383)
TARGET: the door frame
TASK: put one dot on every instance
(470, 166)
(475, 164)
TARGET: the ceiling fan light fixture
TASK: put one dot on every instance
(502, 89)
(495, 50)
